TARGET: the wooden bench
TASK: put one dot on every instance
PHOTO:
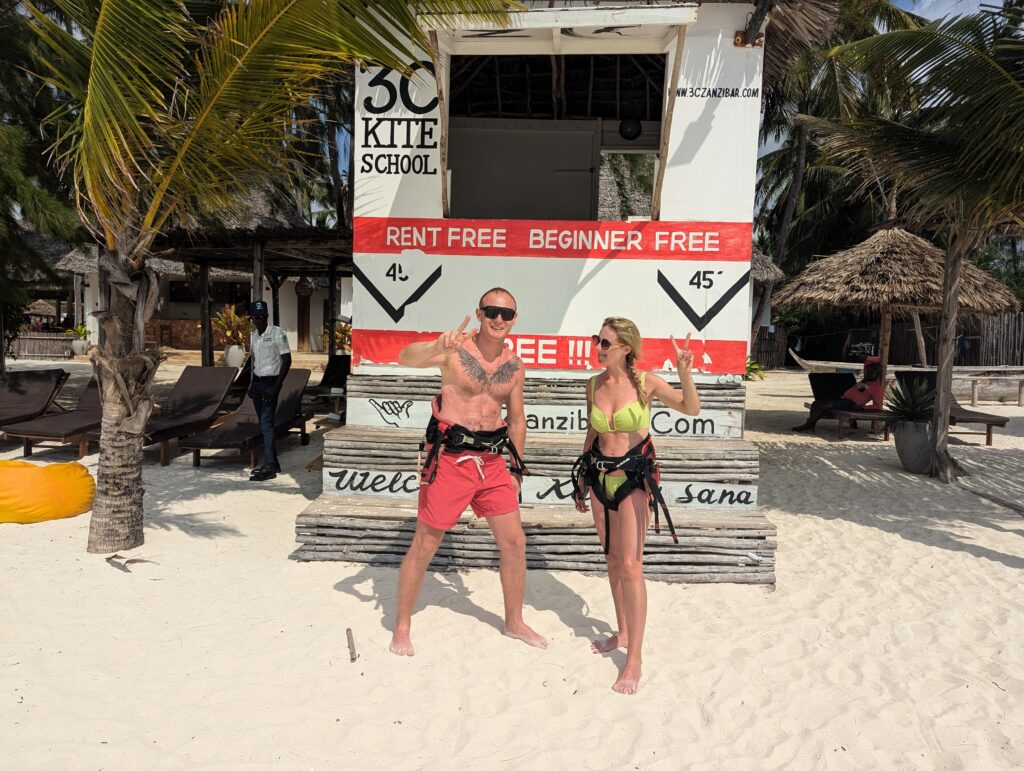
(713, 547)
(977, 381)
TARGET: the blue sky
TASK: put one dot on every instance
(933, 9)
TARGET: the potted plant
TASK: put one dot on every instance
(342, 339)
(80, 339)
(911, 405)
(236, 329)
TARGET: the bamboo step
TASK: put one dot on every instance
(713, 547)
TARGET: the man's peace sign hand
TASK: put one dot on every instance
(454, 339)
(684, 356)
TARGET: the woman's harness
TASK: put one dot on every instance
(641, 470)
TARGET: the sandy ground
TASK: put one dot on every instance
(893, 639)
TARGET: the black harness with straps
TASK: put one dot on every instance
(455, 439)
(641, 470)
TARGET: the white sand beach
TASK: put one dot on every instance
(893, 638)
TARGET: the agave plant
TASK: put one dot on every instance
(912, 402)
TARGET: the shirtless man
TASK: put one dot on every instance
(478, 376)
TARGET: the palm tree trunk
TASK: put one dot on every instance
(943, 465)
(124, 371)
(795, 187)
(3, 344)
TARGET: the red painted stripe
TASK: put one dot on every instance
(705, 241)
(557, 351)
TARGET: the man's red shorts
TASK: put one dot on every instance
(480, 480)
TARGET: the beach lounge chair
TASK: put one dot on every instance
(240, 386)
(957, 415)
(70, 427)
(28, 393)
(241, 429)
(329, 393)
(191, 406)
(829, 386)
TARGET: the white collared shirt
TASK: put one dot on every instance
(267, 350)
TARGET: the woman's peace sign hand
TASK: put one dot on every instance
(684, 356)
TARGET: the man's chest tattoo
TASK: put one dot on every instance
(503, 375)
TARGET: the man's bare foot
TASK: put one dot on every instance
(628, 681)
(521, 631)
(401, 645)
(607, 646)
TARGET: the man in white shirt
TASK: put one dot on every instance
(271, 359)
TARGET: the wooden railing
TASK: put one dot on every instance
(42, 345)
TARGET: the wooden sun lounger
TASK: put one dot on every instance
(241, 429)
(191, 406)
(28, 393)
(71, 427)
(957, 414)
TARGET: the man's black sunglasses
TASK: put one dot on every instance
(493, 311)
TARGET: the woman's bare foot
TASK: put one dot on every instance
(628, 681)
(520, 631)
(614, 642)
(401, 645)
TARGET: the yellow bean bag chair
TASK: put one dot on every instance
(36, 493)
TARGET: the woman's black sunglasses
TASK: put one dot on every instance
(603, 344)
(493, 311)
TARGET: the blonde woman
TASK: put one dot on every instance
(619, 470)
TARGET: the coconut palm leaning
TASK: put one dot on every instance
(178, 110)
(959, 158)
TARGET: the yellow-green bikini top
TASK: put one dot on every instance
(633, 417)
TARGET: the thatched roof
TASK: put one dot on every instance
(897, 269)
(762, 270)
(82, 261)
(41, 308)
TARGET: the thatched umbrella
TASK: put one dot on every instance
(893, 271)
(763, 275)
(762, 270)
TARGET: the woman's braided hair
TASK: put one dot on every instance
(629, 335)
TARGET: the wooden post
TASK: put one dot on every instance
(275, 286)
(56, 308)
(258, 268)
(332, 306)
(79, 315)
(884, 333)
(666, 123)
(205, 327)
(922, 353)
(442, 108)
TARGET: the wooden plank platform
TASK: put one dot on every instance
(681, 459)
(552, 405)
(713, 546)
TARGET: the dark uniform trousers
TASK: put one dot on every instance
(265, 411)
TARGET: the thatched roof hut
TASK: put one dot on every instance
(42, 308)
(897, 269)
(762, 270)
(894, 272)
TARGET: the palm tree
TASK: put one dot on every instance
(32, 198)
(801, 190)
(959, 157)
(179, 110)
